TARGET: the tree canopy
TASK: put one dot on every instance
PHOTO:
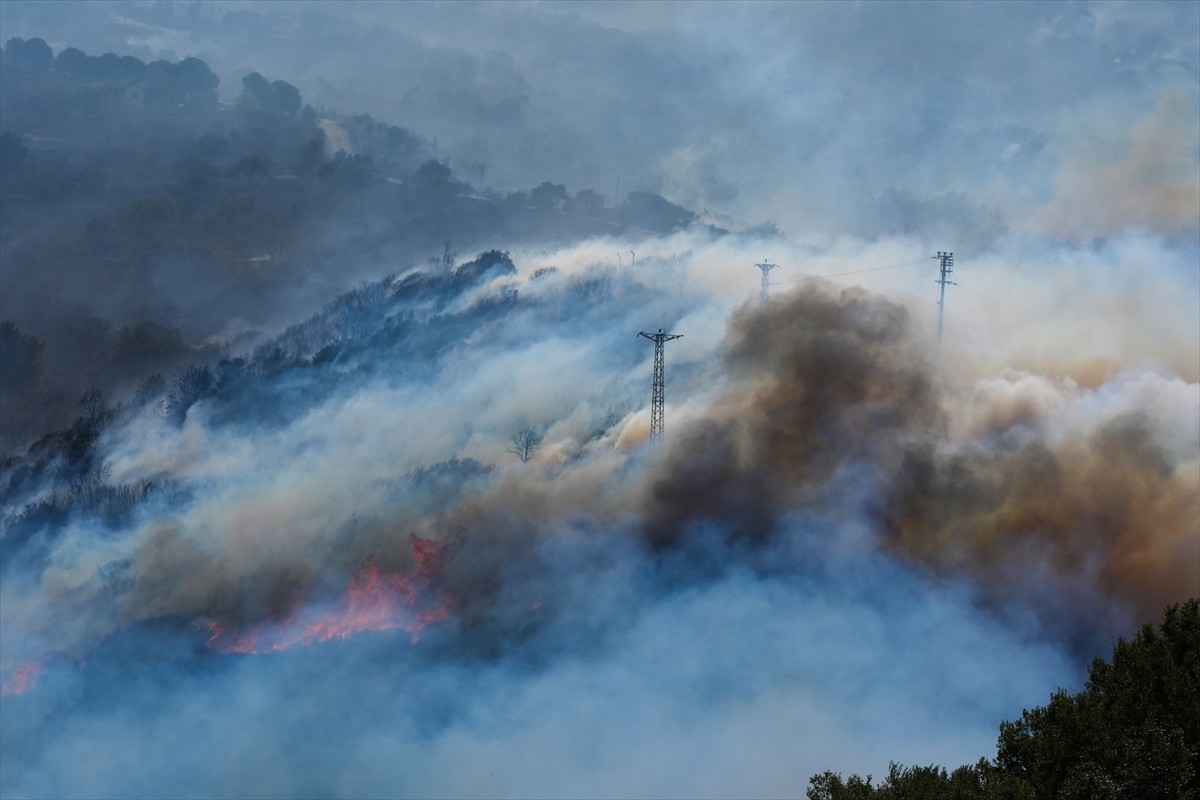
(1132, 732)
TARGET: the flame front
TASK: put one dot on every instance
(374, 601)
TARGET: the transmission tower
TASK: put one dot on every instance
(658, 394)
(766, 267)
(946, 260)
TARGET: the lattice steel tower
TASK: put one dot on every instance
(946, 261)
(766, 268)
(658, 394)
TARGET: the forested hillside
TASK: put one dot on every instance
(146, 226)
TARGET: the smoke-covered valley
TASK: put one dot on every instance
(310, 560)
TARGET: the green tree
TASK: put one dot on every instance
(73, 64)
(549, 195)
(285, 98)
(33, 57)
(252, 167)
(589, 200)
(433, 174)
(189, 84)
(1133, 733)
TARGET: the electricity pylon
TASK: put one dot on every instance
(766, 268)
(946, 261)
(658, 393)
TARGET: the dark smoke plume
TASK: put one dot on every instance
(831, 378)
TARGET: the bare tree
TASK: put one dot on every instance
(446, 262)
(524, 444)
(99, 413)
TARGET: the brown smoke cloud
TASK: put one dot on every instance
(1153, 182)
(1105, 515)
(1008, 487)
(825, 376)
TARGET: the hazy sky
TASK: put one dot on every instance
(1071, 120)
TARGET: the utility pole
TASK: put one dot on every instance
(946, 261)
(766, 267)
(658, 394)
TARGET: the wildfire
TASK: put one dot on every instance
(374, 601)
(22, 680)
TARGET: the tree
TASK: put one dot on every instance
(98, 414)
(548, 195)
(195, 83)
(589, 200)
(251, 167)
(446, 262)
(264, 100)
(256, 90)
(33, 57)
(524, 443)
(150, 388)
(1133, 732)
(286, 98)
(647, 210)
(433, 174)
(188, 386)
(190, 84)
(73, 64)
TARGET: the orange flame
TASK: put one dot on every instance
(374, 601)
(22, 680)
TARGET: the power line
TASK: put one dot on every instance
(658, 393)
(855, 272)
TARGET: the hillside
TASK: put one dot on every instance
(330, 468)
(146, 225)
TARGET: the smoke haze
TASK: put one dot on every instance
(854, 545)
(946, 119)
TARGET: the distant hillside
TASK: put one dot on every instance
(145, 225)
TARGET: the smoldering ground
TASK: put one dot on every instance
(849, 549)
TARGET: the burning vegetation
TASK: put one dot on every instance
(374, 601)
